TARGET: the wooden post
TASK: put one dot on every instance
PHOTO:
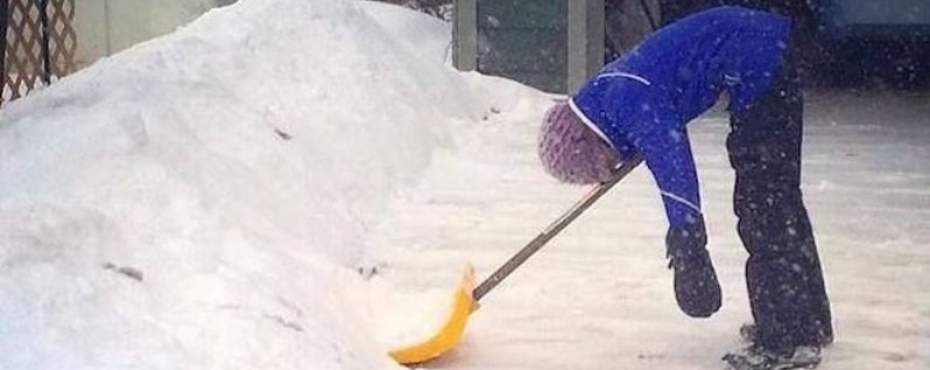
(585, 41)
(46, 41)
(465, 35)
(4, 6)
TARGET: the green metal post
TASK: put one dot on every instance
(465, 33)
(585, 41)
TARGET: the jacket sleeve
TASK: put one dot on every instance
(632, 113)
(662, 139)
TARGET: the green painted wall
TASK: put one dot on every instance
(553, 45)
(525, 40)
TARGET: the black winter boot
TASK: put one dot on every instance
(696, 287)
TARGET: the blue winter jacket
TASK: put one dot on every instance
(642, 102)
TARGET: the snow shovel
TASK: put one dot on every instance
(467, 295)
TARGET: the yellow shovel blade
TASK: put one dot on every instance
(450, 334)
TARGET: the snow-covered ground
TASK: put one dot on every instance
(599, 295)
(207, 201)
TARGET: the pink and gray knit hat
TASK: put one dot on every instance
(572, 152)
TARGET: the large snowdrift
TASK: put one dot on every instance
(200, 201)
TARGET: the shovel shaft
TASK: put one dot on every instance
(554, 228)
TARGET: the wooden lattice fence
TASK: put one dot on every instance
(37, 43)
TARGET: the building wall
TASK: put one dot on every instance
(886, 12)
(106, 27)
(553, 45)
(524, 40)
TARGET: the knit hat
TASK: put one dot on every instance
(571, 151)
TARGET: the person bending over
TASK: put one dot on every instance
(641, 105)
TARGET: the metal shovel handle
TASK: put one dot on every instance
(554, 228)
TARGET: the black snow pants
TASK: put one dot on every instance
(783, 272)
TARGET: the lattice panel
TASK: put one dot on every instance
(63, 45)
(24, 50)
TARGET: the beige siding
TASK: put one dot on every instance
(106, 27)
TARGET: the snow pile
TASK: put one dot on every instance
(200, 201)
(401, 318)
